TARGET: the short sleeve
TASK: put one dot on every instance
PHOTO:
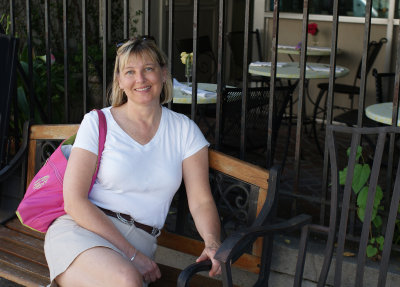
(195, 140)
(88, 134)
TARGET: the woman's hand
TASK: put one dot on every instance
(147, 267)
(209, 253)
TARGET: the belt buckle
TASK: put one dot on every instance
(155, 232)
(123, 220)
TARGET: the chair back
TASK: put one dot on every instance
(383, 86)
(257, 116)
(8, 62)
(364, 203)
(373, 50)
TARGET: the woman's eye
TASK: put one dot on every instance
(129, 72)
(149, 68)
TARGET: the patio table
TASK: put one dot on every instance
(381, 113)
(291, 70)
(185, 96)
(315, 51)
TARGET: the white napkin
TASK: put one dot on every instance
(286, 47)
(268, 64)
(315, 48)
(188, 90)
(323, 68)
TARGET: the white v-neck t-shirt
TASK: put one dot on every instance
(135, 179)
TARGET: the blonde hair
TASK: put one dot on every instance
(140, 47)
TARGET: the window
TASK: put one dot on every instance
(346, 7)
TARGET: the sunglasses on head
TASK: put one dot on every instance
(134, 39)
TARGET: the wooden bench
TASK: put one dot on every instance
(21, 249)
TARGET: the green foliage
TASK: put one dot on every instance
(360, 188)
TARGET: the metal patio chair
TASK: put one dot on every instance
(256, 121)
(342, 227)
(343, 90)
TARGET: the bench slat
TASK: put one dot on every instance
(242, 170)
(23, 251)
(56, 132)
(23, 277)
(15, 224)
(20, 238)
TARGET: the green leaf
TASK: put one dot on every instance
(377, 221)
(362, 197)
(380, 240)
(361, 175)
(371, 251)
(361, 213)
(342, 176)
(358, 154)
(372, 240)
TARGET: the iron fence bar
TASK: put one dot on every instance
(194, 65)
(30, 61)
(345, 207)
(245, 82)
(390, 230)
(12, 18)
(126, 19)
(363, 82)
(220, 71)
(65, 36)
(274, 59)
(105, 28)
(325, 169)
(48, 57)
(300, 107)
(170, 38)
(84, 56)
(395, 117)
(147, 17)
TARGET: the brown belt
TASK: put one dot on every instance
(129, 220)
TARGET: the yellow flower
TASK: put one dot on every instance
(184, 57)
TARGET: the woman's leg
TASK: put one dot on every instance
(100, 266)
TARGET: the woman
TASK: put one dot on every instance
(148, 150)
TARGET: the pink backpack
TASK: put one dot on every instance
(43, 201)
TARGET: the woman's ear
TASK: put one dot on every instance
(164, 74)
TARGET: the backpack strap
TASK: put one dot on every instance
(102, 140)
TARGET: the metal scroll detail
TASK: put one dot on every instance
(233, 200)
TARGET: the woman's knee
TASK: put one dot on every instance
(129, 276)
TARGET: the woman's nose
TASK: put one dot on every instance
(140, 77)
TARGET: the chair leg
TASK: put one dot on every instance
(226, 275)
(317, 111)
(265, 262)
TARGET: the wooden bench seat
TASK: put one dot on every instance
(22, 257)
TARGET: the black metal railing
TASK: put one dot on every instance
(105, 11)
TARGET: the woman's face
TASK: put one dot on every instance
(142, 79)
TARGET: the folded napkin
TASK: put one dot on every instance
(268, 64)
(315, 48)
(323, 68)
(188, 90)
(286, 47)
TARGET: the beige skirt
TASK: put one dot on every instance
(65, 240)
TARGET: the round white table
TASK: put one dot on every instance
(311, 50)
(180, 97)
(381, 113)
(291, 70)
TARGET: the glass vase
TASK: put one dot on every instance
(188, 72)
